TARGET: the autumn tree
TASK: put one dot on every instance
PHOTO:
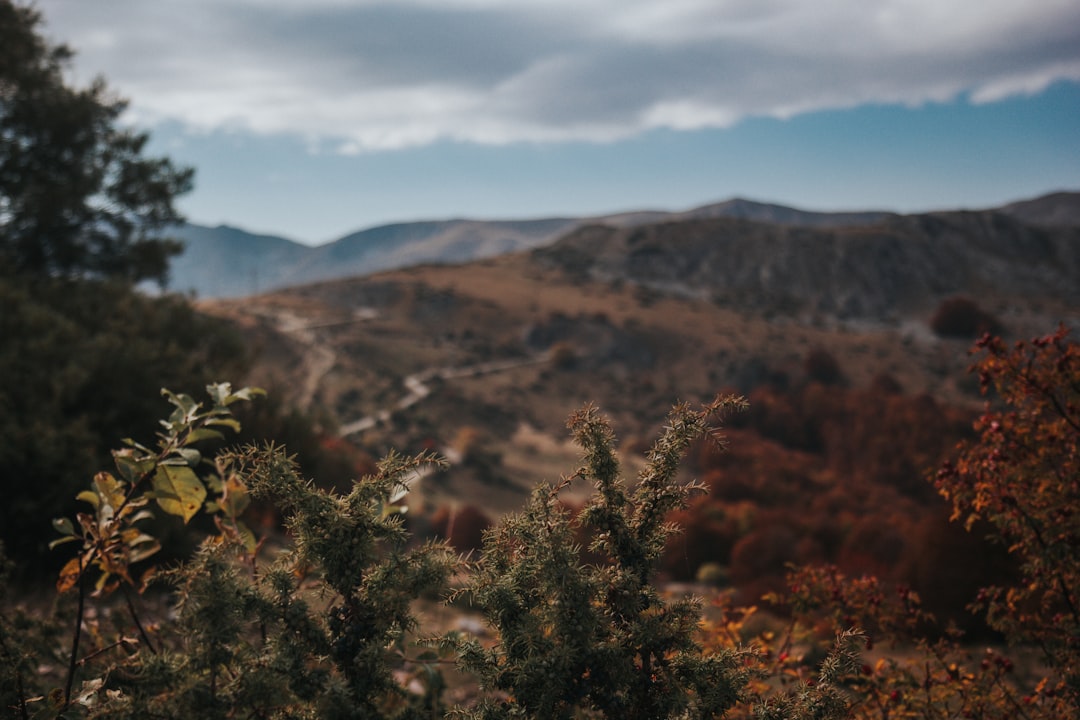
(1022, 475)
(77, 196)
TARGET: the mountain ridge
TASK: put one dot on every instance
(226, 261)
(903, 265)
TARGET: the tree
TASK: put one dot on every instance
(1022, 476)
(81, 364)
(961, 317)
(77, 197)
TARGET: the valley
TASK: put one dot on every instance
(858, 387)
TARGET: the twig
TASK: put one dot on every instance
(102, 651)
(135, 617)
(76, 635)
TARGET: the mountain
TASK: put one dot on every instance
(225, 262)
(751, 210)
(228, 262)
(1056, 209)
(450, 241)
(881, 271)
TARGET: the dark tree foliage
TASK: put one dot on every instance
(82, 364)
(77, 197)
(961, 317)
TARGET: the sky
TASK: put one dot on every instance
(310, 119)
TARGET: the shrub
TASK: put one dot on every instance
(821, 366)
(320, 631)
(961, 317)
(323, 626)
(597, 638)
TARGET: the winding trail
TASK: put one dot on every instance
(418, 389)
(320, 359)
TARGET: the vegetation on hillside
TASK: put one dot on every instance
(323, 624)
(179, 595)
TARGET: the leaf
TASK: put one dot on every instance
(401, 491)
(141, 515)
(179, 491)
(63, 526)
(226, 422)
(202, 434)
(89, 496)
(69, 575)
(191, 456)
(246, 536)
(130, 468)
(137, 446)
(244, 394)
(61, 541)
(146, 578)
(213, 484)
(234, 497)
(142, 547)
(184, 403)
(218, 392)
(90, 688)
(110, 492)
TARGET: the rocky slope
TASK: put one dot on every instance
(896, 267)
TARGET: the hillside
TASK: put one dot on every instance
(886, 271)
(490, 357)
(1055, 210)
(854, 399)
(229, 262)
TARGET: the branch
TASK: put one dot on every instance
(76, 635)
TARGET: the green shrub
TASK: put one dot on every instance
(597, 639)
(323, 626)
(320, 631)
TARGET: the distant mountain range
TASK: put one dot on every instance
(224, 261)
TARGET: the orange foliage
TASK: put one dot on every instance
(1022, 476)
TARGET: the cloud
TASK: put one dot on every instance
(356, 76)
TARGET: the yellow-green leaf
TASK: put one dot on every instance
(89, 496)
(109, 489)
(63, 526)
(179, 491)
(65, 539)
(202, 434)
(131, 467)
